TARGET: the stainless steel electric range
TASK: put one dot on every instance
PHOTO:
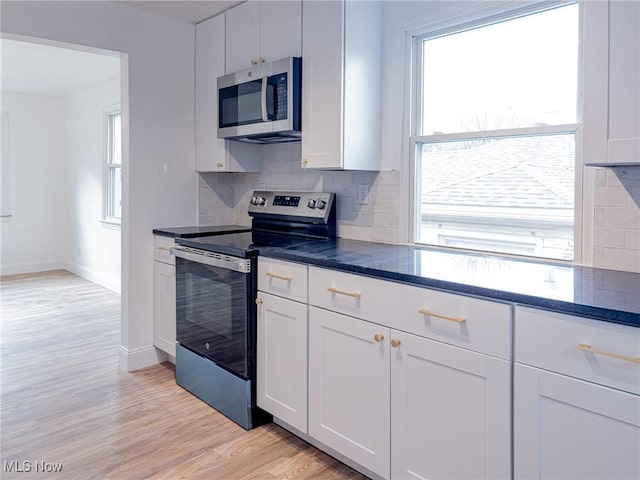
(216, 287)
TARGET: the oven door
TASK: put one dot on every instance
(215, 317)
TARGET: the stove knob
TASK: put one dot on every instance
(320, 204)
(311, 203)
(262, 201)
(254, 200)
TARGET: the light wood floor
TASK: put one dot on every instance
(64, 400)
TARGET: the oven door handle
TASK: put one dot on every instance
(242, 265)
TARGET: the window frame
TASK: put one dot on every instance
(450, 26)
(5, 167)
(108, 220)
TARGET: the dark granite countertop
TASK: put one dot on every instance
(608, 295)
(199, 231)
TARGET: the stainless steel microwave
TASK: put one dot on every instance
(261, 104)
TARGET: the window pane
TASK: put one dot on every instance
(517, 73)
(116, 143)
(511, 195)
(115, 192)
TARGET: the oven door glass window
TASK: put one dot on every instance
(212, 314)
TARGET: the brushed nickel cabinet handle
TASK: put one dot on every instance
(340, 292)
(424, 311)
(259, 301)
(279, 277)
(588, 348)
(163, 249)
(304, 162)
(378, 337)
(220, 164)
(395, 343)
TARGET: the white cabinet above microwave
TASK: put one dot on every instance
(261, 32)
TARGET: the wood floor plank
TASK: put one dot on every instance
(64, 400)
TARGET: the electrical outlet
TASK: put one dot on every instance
(363, 194)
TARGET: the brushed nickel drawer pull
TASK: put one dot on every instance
(424, 311)
(259, 301)
(340, 292)
(279, 277)
(378, 337)
(163, 248)
(588, 348)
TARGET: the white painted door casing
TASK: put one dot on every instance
(282, 359)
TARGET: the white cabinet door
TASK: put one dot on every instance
(624, 82)
(349, 388)
(568, 428)
(243, 36)
(341, 85)
(280, 29)
(259, 32)
(164, 307)
(282, 359)
(451, 411)
(210, 150)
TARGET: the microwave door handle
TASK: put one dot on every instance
(265, 117)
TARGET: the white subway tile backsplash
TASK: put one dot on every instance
(632, 240)
(622, 218)
(609, 237)
(619, 259)
(612, 197)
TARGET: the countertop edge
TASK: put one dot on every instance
(558, 306)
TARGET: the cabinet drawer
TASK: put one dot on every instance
(285, 279)
(479, 325)
(560, 343)
(161, 249)
(353, 295)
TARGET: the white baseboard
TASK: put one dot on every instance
(141, 357)
(112, 284)
(31, 267)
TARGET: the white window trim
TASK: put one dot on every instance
(457, 22)
(107, 221)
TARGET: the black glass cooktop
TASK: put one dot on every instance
(244, 245)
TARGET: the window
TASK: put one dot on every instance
(112, 210)
(494, 135)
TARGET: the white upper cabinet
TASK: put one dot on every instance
(210, 151)
(214, 154)
(611, 77)
(259, 31)
(341, 84)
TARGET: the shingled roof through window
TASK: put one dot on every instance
(534, 172)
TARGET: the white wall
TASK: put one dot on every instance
(31, 237)
(91, 249)
(159, 185)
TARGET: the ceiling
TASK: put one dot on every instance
(188, 10)
(45, 70)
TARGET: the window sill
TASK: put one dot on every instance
(111, 224)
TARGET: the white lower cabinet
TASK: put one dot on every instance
(282, 359)
(450, 411)
(349, 387)
(406, 407)
(164, 308)
(576, 402)
(569, 428)
(164, 296)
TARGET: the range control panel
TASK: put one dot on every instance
(316, 205)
